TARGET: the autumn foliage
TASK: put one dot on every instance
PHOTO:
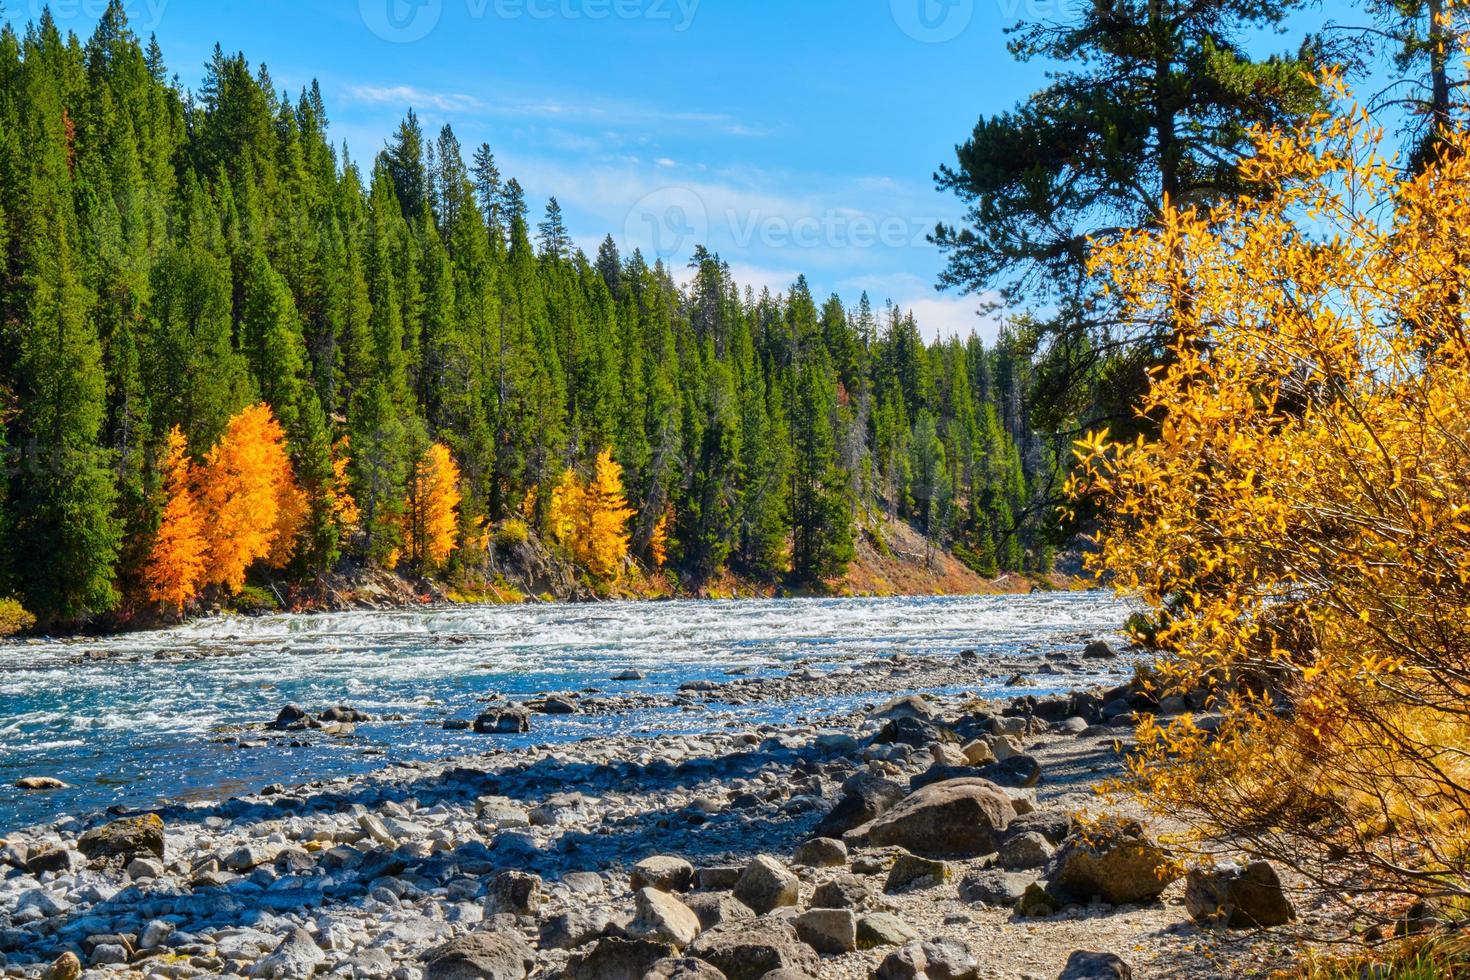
(175, 567)
(1301, 523)
(589, 519)
(239, 506)
(431, 513)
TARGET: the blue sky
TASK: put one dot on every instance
(791, 136)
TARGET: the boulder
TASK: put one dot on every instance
(124, 839)
(842, 892)
(915, 732)
(291, 716)
(1240, 898)
(685, 969)
(978, 752)
(1114, 860)
(907, 706)
(63, 860)
(296, 958)
(994, 886)
(829, 931)
(962, 817)
(865, 798)
(750, 950)
(821, 852)
(1099, 650)
(1019, 771)
(667, 874)
(942, 959)
(1037, 901)
(884, 929)
(629, 675)
(616, 959)
(343, 715)
(572, 930)
(765, 886)
(661, 918)
(1083, 965)
(514, 893)
(40, 784)
(510, 720)
(1055, 825)
(481, 956)
(912, 873)
(713, 909)
(1022, 852)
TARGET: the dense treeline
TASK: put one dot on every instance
(171, 259)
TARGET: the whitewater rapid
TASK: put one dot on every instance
(149, 717)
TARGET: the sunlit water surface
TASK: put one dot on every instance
(152, 720)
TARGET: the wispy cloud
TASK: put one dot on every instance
(571, 110)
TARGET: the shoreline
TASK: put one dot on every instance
(366, 876)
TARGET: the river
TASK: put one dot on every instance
(150, 717)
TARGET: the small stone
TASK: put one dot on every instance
(296, 958)
(64, 967)
(842, 892)
(829, 931)
(765, 885)
(377, 830)
(978, 753)
(145, 869)
(62, 860)
(821, 852)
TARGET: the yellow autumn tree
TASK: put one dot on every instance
(1301, 523)
(590, 519)
(176, 562)
(431, 513)
(247, 489)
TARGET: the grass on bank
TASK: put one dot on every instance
(1443, 958)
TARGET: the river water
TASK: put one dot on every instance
(148, 717)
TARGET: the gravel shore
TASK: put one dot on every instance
(890, 841)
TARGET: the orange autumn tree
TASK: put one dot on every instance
(175, 565)
(1300, 524)
(431, 513)
(248, 492)
(589, 519)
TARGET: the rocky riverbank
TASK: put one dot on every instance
(921, 836)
